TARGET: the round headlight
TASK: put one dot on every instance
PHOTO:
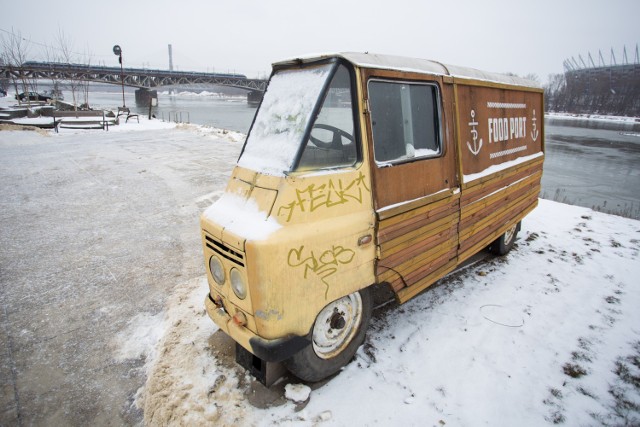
(237, 284)
(217, 270)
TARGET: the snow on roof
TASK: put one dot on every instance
(415, 65)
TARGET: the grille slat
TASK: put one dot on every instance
(225, 251)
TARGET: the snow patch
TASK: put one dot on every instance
(242, 217)
(140, 338)
(297, 392)
(592, 117)
(502, 166)
(216, 133)
(181, 375)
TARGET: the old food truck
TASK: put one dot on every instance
(363, 169)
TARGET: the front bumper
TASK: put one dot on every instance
(275, 350)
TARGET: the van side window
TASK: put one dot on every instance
(404, 121)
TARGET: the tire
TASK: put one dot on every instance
(338, 331)
(503, 244)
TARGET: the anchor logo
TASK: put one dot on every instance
(534, 132)
(477, 145)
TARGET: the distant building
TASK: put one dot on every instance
(603, 89)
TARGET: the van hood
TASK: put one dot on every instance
(244, 210)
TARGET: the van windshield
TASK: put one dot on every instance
(305, 122)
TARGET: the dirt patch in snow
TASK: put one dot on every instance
(192, 376)
(6, 126)
(185, 385)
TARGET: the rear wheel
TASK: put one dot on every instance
(503, 244)
(337, 333)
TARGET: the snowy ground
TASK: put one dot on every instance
(594, 117)
(105, 325)
(549, 334)
(96, 228)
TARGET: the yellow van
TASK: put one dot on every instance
(363, 169)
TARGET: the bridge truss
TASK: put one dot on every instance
(134, 77)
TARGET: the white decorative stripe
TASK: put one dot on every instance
(507, 152)
(505, 105)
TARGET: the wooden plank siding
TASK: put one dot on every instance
(416, 243)
(489, 207)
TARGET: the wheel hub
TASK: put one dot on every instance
(336, 325)
(337, 320)
(510, 234)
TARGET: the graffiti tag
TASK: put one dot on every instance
(328, 195)
(324, 266)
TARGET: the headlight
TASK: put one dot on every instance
(217, 270)
(237, 284)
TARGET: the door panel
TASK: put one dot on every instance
(415, 187)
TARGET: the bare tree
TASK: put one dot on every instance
(610, 90)
(555, 92)
(51, 55)
(15, 50)
(84, 84)
(11, 79)
(65, 47)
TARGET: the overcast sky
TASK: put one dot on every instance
(247, 36)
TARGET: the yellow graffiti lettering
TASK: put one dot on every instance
(328, 195)
(323, 266)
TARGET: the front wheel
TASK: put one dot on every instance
(503, 244)
(337, 333)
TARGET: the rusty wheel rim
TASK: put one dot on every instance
(336, 325)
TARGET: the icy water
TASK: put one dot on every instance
(231, 113)
(593, 164)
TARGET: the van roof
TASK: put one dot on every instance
(416, 65)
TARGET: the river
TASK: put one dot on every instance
(594, 164)
(206, 108)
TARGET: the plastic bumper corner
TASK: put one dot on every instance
(275, 350)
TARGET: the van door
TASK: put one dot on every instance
(415, 187)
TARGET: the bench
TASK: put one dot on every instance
(83, 119)
(124, 111)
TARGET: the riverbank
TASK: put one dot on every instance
(597, 121)
(598, 117)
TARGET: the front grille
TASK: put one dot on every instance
(225, 251)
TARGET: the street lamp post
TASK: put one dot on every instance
(118, 52)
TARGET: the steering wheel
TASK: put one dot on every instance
(336, 138)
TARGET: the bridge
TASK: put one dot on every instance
(141, 78)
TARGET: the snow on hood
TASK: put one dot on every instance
(241, 217)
